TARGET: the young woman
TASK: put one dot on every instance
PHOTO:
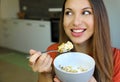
(85, 24)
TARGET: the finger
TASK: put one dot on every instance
(92, 79)
(56, 80)
(47, 65)
(34, 57)
(40, 61)
(32, 51)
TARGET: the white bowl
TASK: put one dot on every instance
(74, 59)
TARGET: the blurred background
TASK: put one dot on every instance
(26, 24)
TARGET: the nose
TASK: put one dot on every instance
(77, 20)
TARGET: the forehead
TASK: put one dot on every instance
(77, 3)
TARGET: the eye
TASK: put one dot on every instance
(86, 13)
(68, 13)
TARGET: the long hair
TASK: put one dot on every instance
(101, 42)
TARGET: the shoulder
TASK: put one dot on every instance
(116, 61)
(53, 46)
(116, 53)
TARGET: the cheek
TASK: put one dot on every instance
(66, 22)
(91, 24)
(66, 26)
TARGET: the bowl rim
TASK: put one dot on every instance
(93, 67)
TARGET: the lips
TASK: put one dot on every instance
(77, 32)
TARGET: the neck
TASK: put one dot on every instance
(85, 47)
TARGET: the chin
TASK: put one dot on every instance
(78, 41)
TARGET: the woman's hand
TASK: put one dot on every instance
(91, 80)
(56, 79)
(40, 62)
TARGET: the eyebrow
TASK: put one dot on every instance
(86, 8)
(68, 9)
(82, 9)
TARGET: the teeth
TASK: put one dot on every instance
(78, 30)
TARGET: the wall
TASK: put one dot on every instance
(114, 17)
(37, 9)
(9, 8)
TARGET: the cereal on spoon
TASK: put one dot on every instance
(65, 47)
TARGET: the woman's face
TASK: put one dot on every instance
(78, 20)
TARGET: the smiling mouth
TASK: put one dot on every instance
(78, 30)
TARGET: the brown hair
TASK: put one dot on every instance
(102, 51)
